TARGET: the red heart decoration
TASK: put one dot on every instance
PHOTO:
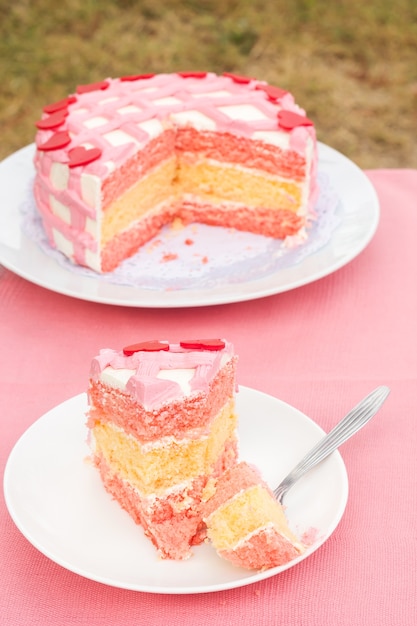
(61, 104)
(83, 156)
(203, 344)
(273, 93)
(56, 141)
(290, 120)
(136, 77)
(145, 346)
(192, 74)
(242, 80)
(93, 87)
(52, 121)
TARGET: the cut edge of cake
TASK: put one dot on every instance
(162, 427)
(246, 524)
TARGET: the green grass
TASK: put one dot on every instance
(352, 65)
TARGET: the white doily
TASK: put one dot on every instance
(200, 256)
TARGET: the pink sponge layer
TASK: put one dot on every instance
(173, 522)
(263, 550)
(266, 541)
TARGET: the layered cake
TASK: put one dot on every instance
(245, 523)
(162, 430)
(119, 159)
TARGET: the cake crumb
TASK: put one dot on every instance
(169, 256)
(177, 224)
(310, 536)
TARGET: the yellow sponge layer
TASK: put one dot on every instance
(217, 182)
(145, 195)
(152, 469)
(250, 510)
(208, 182)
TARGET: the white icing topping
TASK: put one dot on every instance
(119, 138)
(62, 243)
(181, 376)
(92, 227)
(273, 137)
(117, 378)
(196, 118)
(60, 210)
(59, 175)
(90, 190)
(153, 127)
(246, 112)
(130, 108)
(168, 101)
(92, 259)
(94, 122)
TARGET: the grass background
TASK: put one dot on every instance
(351, 64)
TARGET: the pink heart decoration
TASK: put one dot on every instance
(52, 121)
(136, 77)
(192, 74)
(145, 346)
(290, 120)
(93, 87)
(203, 344)
(83, 156)
(273, 93)
(56, 141)
(242, 80)
(61, 104)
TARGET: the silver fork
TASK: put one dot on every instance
(348, 426)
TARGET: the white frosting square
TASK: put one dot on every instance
(119, 138)
(90, 190)
(59, 175)
(245, 112)
(60, 210)
(196, 118)
(94, 122)
(62, 243)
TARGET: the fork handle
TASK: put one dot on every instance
(348, 426)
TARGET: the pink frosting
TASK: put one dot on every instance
(113, 105)
(144, 384)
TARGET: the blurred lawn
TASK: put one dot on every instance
(351, 64)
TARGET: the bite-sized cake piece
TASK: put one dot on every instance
(245, 523)
(162, 427)
(120, 158)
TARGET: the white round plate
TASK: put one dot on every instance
(56, 499)
(359, 220)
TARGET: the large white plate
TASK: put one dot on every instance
(57, 501)
(360, 216)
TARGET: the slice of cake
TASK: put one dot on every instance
(245, 523)
(121, 158)
(162, 427)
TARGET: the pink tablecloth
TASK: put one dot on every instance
(321, 348)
